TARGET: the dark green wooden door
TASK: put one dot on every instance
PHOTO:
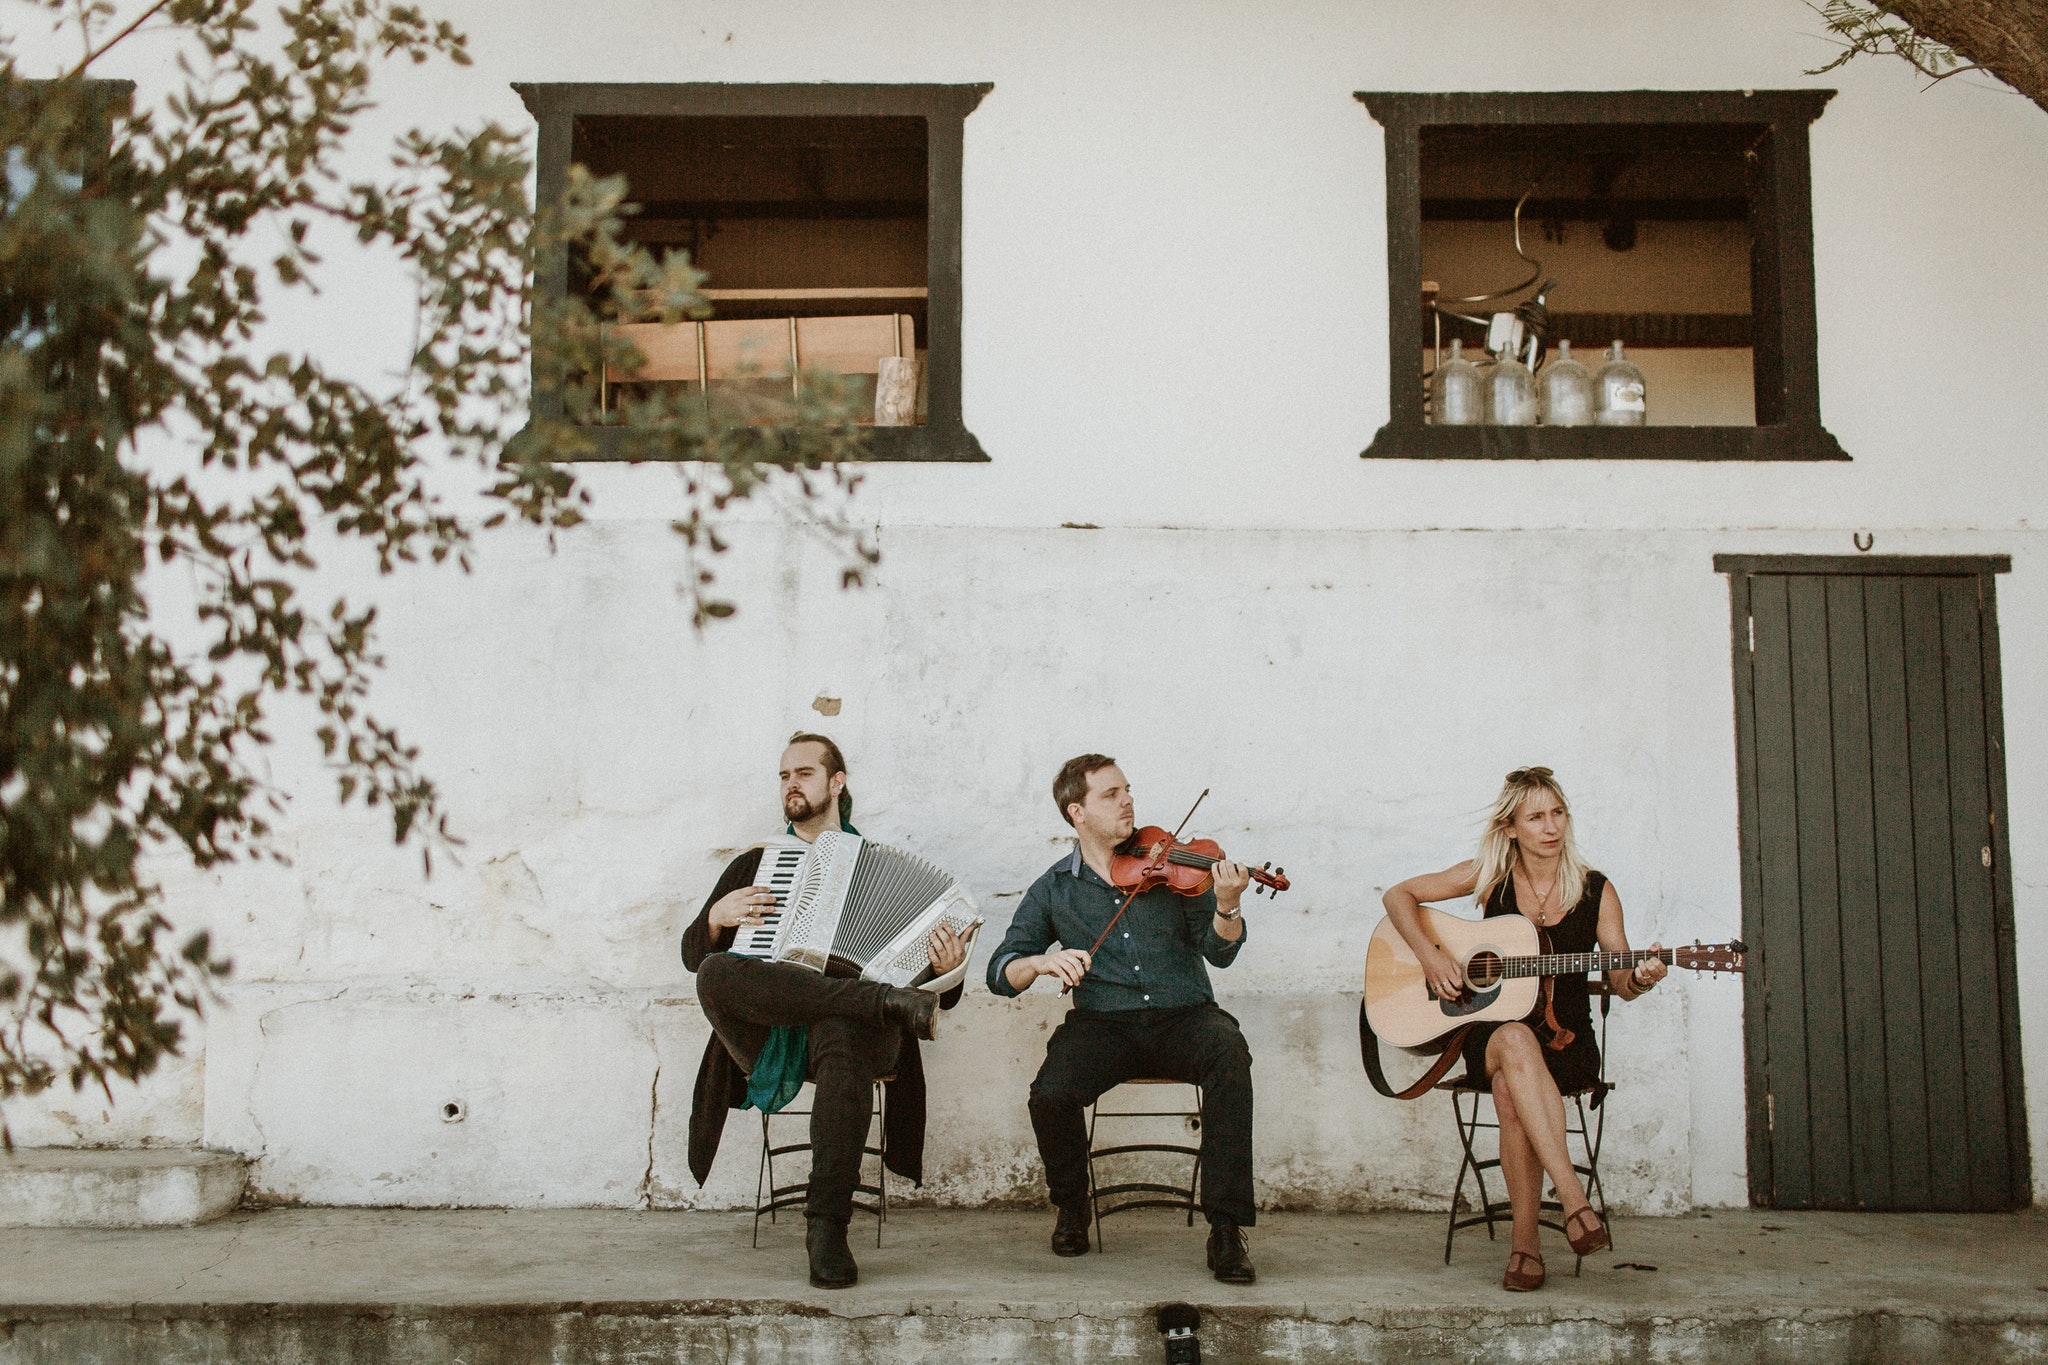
(1881, 1008)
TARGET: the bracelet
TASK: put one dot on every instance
(1233, 915)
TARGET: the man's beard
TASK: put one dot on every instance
(797, 808)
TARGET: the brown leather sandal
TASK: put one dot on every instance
(1586, 1233)
(1520, 1278)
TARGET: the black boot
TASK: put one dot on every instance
(916, 1011)
(832, 1265)
(1229, 1258)
(1070, 1233)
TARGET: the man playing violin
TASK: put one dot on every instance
(1142, 1008)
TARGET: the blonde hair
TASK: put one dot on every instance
(1499, 853)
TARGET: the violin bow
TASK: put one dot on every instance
(1190, 815)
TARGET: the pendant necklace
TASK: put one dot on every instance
(1542, 901)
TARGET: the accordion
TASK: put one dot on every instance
(850, 907)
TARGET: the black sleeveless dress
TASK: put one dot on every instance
(1576, 1065)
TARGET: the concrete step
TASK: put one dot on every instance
(595, 1287)
(117, 1187)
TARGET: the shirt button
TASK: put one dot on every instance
(1148, 997)
(1126, 935)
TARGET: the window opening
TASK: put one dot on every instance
(813, 231)
(828, 219)
(1579, 237)
(1523, 225)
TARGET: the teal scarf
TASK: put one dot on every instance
(779, 1071)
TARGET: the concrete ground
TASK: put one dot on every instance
(483, 1287)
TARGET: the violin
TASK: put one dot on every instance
(1151, 857)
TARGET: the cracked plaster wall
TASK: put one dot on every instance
(536, 981)
(1347, 653)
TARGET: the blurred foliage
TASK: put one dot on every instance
(167, 475)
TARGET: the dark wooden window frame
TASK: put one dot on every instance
(1782, 306)
(944, 435)
(1985, 569)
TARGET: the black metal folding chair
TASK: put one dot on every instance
(1585, 1118)
(770, 1198)
(1105, 1200)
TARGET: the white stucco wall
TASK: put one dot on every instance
(1147, 187)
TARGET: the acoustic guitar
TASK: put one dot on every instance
(1503, 963)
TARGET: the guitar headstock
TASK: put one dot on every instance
(1711, 957)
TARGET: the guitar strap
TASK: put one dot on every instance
(1555, 1036)
(1369, 1049)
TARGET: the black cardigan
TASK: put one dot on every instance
(722, 1083)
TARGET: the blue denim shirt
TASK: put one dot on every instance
(1152, 960)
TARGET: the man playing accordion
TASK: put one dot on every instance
(776, 1024)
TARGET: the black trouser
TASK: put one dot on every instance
(1092, 1052)
(850, 1049)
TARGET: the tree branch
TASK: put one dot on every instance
(2008, 38)
(96, 53)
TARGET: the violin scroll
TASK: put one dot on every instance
(1268, 878)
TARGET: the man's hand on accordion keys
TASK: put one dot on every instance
(744, 906)
(948, 950)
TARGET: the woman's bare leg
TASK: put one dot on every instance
(1522, 1172)
(1514, 1066)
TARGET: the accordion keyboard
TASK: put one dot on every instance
(781, 865)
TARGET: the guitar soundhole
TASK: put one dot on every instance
(1483, 969)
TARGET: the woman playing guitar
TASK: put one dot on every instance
(1528, 865)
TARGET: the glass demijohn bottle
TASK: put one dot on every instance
(1566, 390)
(1510, 393)
(1618, 394)
(1455, 396)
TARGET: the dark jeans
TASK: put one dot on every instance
(850, 1049)
(1092, 1052)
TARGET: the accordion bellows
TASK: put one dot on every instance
(866, 907)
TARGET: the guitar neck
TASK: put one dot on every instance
(1571, 964)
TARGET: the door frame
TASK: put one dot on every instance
(1984, 568)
